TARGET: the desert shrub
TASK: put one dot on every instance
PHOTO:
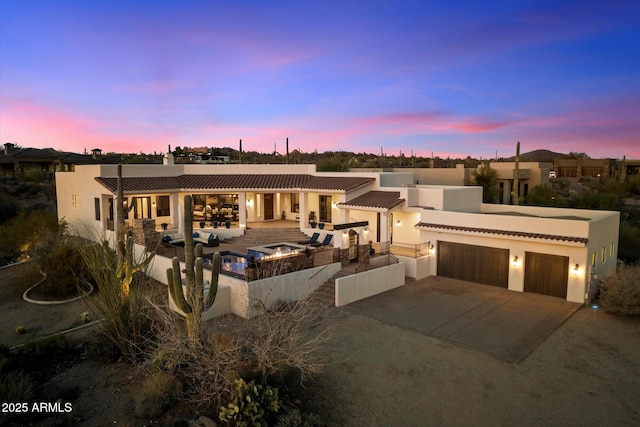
(43, 354)
(29, 234)
(252, 405)
(286, 342)
(8, 207)
(620, 293)
(15, 387)
(156, 394)
(34, 175)
(628, 247)
(127, 323)
(65, 270)
(296, 418)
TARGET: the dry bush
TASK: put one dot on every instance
(286, 340)
(620, 293)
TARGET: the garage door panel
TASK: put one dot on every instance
(479, 264)
(546, 274)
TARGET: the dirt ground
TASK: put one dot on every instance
(586, 373)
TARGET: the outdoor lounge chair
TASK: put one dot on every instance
(325, 242)
(312, 240)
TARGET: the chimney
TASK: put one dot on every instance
(167, 159)
(240, 153)
(287, 159)
(8, 147)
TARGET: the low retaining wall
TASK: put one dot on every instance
(246, 299)
(362, 285)
(220, 307)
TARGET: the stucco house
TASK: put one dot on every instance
(432, 229)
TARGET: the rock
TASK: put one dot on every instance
(207, 422)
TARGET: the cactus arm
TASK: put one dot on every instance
(175, 286)
(213, 286)
(198, 288)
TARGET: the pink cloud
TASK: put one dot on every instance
(406, 123)
(32, 124)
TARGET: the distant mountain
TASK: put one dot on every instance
(537, 156)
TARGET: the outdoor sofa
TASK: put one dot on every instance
(207, 239)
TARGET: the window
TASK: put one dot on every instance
(295, 202)
(96, 204)
(602, 254)
(142, 208)
(162, 206)
(611, 250)
(325, 209)
(593, 259)
(74, 201)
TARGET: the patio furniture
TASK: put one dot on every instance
(176, 239)
(207, 239)
(313, 239)
(325, 242)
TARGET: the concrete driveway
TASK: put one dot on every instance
(505, 324)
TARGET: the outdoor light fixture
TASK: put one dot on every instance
(430, 248)
(576, 269)
(515, 261)
(398, 223)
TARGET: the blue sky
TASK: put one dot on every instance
(453, 78)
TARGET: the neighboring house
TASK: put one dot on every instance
(434, 230)
(579, 167)
(14, 160)
(531, 174)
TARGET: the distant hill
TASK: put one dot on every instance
(537, 156)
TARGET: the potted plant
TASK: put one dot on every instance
(371, 250)
(321, 225)
(313, 224)
(283, 215)
(164, 226)
(227, 224)
(215, 224)
(202, 224)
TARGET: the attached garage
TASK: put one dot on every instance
(479, 264)
(546, 274)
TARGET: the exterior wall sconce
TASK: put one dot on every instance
(398, 223)
(516, 261)
(249, 201)
(576, 270)
(430, 248)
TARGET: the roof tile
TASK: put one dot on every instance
(503, 232)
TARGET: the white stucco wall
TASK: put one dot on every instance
(362, 285)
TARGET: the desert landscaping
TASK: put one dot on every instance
(585, 373)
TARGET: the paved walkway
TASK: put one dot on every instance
(505, 324)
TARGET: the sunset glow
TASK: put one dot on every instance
(453, 78)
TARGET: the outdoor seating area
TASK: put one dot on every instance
(178, 239)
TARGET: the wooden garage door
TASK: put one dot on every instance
(546, 274)
(479, 264)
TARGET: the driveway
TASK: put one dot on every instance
(507, 325)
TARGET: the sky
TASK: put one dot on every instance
(444, 78)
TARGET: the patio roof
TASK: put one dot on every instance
(234, 182)
(377, 200)
(426, 226)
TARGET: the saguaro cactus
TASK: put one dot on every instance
(126, 266)
(194, 303)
